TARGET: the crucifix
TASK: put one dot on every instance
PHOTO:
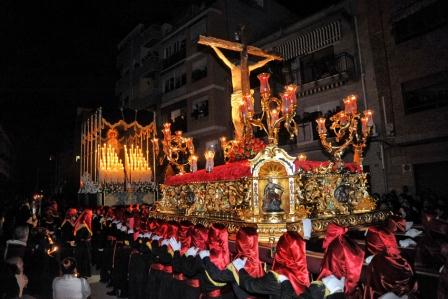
(240, 74)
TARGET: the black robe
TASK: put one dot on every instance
(82, 251)
(139, 263)
(65, 237)
(224, 280)
(166, 277)
(269, 285)
(154, 276)
(193, 268)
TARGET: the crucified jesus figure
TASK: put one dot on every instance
(240, 84)
(240, 76)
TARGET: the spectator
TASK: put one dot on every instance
(68, 285)
(12, 279)
(17, 246)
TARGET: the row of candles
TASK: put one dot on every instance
(111, 168)
(136, 165)
(345, 116)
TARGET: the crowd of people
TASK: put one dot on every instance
(138, 256)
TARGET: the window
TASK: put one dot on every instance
(174, 80)
(200, 109)
(199, 70)
(420, 22)
(318, 65)
(425, 93)
(174, 52)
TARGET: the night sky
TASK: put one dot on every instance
(56, 56)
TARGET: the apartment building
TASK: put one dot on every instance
(328, 54)
(183, 81)
(409, 45)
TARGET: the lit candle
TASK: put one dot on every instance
(286, 102)
(321, 129)
(194, 163)
(302, 157)
(209, 163)
(347, 101)
(369, 115)
(264, 83)
(353, 104)
(364, 121)
(223, 141)
(292, 90)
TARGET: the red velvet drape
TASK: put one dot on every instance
(290, 260)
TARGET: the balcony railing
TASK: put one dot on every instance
(340, 64)
(176, 57)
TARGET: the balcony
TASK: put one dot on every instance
(173, 59)
(326, 73)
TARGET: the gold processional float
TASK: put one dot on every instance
(270, 190)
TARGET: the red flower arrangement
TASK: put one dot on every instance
(245, 150)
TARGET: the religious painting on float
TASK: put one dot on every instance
(273, 185)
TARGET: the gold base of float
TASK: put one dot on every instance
(275, 198)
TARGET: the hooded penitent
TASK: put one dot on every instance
(85, 219)
(388, 271)
(247, 246)
(343, 257)
(184, 235)
(199, 237)
(290, 260)
(218, 243)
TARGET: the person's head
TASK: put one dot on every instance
(218, 243)
(68, 265)
(21, 233)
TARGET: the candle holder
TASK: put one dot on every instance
(275, 110)
(193, 163)
(177, 149)
(350, 128)
(209, 160)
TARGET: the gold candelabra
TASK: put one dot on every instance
(274, 110)
(177, 149)
(350, 128)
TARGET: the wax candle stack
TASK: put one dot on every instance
(111, 168)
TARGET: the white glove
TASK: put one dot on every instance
(391, 295)
(239, 263)
(174, 244)
(165, 242)
(369, 259)
(192, 251)
(413, 233)
(281, 278)
(147, 235)
(409, 225)
(119, 226)
(407, 242)
(307, 228)
(156, 238)
(204, 253)
(333, 284)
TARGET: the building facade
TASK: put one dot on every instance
(409, 42)
(329, 56)
(188, 85)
